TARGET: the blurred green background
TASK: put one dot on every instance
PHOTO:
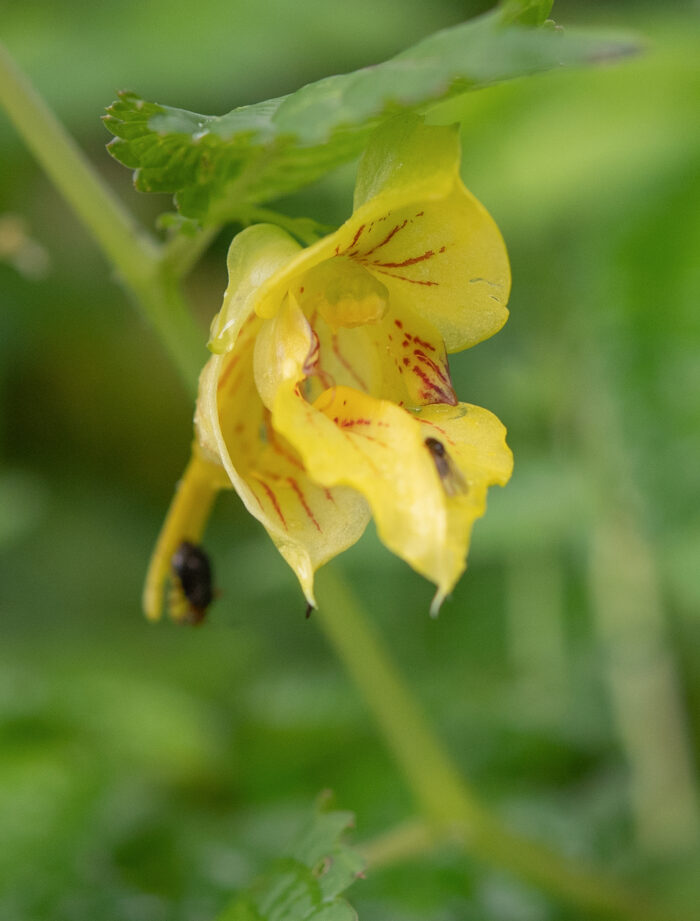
(147, 772)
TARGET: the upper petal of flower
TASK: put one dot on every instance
(419, 231)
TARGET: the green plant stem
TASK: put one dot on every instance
(450, 808)
(135, 255)
(182, 253)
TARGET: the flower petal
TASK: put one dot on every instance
(418, 229)
(477, 457)
(308, 523)
(349, 438)
(414, 362)
(255, 254)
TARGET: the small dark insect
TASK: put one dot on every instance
(309, 609)
(192, 580)
(452, 480)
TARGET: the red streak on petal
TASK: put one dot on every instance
(439, 428)
(297, 489)
(392, 233)
(346, 364)
(441, 372)
(312, 359)
(398, 324)
(348, 422)
(428, 254)
(329, 495)
(356, 237)
(273, 498)
(276, 446)
(227, 372)
(446, 396)
(414, 281)
(426, 345)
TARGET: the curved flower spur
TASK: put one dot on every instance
(328, 397)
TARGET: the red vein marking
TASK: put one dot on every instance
(346, 423)
(313, 356)
(273, 498)
(227, 371)
(449, 398)
(438, 427)
(276, 446)
(355, 238)
(257, 497)
(414, 281)
(442, 372)
(297, 489)
(329, 495)
(441, 250)
(346, 364)
(426, 345)
(428, 254)
(420, 214)
(406, 361)
(373, 438)
(392, 233)
(398, 324)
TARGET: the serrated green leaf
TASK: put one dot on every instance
(217, 164)
(306, 885)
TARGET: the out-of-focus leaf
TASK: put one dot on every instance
(305, 886)
(528, 12)
(216, 164)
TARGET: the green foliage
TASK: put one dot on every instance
(306, 885)
(257, 153)
(528, 12)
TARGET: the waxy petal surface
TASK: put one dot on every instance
(421, 232)
(349, 438)
(309, 523)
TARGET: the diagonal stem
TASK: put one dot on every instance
(449, 807)
(135, 255)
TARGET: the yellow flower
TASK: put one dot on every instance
(328, 397)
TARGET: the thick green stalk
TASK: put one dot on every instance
(134, 254)
(450, 808)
